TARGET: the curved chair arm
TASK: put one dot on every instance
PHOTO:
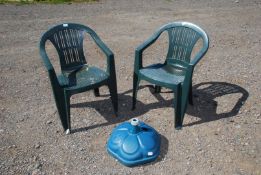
(198, 56)
(44, 56)
(139, 50)
(47, 63)
(109, 54)
(202, 51)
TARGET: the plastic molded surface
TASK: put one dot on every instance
(134, 143)
(77, 75)
(177, 71)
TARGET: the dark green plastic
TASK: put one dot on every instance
(77, 76)
(177, 70)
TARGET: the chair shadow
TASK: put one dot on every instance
(204, 98)
(204, 95)
(125, 113)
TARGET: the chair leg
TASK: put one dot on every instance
(157, 89)
(62, 114)
(190, 95)
(114, 95)
(61, 107)
(67, 109)
(177, 105)
(135, 90)
(96, 92)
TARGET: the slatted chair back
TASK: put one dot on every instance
(68, 41)
(182, 39)
(177, 71)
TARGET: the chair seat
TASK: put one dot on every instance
(161, 74)
(85, 77)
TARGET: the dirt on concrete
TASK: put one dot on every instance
(221, 133)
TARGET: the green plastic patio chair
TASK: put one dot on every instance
(76, 75)
(177, 70)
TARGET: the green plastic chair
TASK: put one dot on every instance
(177, 70)
(76, 75)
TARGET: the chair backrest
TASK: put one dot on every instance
(182, 38)
(68, 41)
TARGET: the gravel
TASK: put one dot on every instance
(221, 133)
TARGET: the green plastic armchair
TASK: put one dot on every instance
(76, 75)
(177, 70)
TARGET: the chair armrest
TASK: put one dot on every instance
(139, 50)
(202, 51)
(109, 54)
(198, 56)
(101, 45)
(44, 56)
(48, 65)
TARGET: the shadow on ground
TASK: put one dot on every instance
(204, 95)
(104, 107)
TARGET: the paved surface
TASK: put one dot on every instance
(221, 133)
